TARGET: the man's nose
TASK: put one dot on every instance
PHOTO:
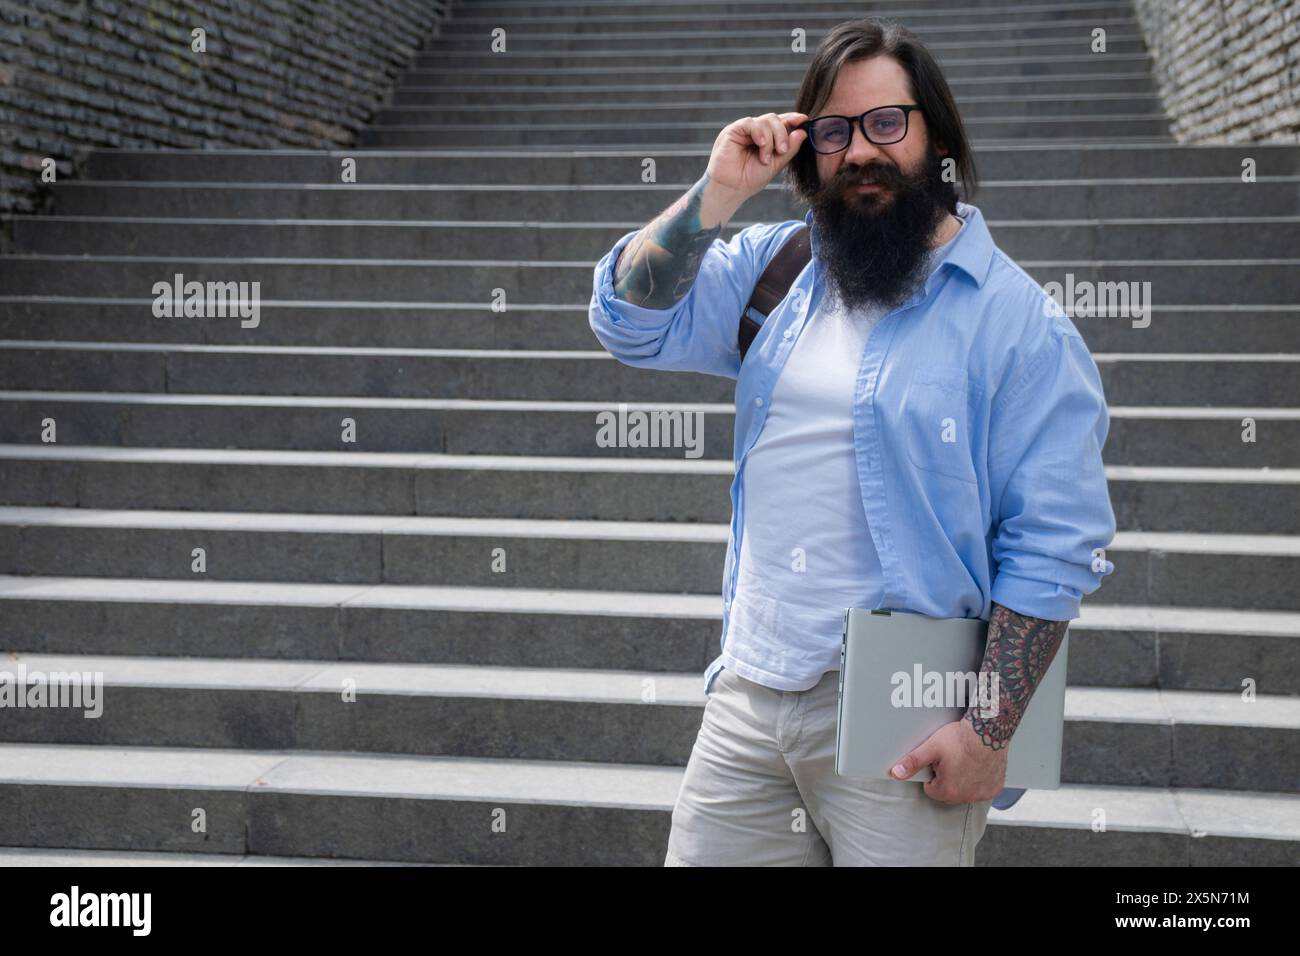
(861, 150)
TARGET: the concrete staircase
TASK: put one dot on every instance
(369, 565)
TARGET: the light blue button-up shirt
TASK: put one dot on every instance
(979, 419)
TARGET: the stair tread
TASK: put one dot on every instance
(1165, 619)
(201, 348)
(1198, 812)
(1140, 705)
(1280, 545)
(33, 856)
(1176, 412)
(561, 463)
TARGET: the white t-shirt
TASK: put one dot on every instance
(806, 551)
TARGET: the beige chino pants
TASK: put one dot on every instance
(760, 789)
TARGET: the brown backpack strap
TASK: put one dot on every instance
(774, 284)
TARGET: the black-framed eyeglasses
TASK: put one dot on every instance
(882, 126)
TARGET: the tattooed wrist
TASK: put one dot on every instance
(1019, 651)
(658, 266)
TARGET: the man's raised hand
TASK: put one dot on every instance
(749, 153)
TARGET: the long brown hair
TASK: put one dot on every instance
(862, 39)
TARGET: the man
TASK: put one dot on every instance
(917, 428)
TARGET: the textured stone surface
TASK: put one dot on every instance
(1228, 70)
(122, 73)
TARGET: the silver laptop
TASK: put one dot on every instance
(903, 676)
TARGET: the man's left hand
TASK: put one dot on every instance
(965, 768)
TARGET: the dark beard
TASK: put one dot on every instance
(874, 246)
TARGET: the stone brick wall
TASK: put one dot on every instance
(1228, 70)
(288, 73)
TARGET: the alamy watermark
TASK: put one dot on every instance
(75, 908)
(655, 428)
(1085, 298)
(179, 299)
(922, 688)
(82, 690)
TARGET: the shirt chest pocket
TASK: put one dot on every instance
(937, 419)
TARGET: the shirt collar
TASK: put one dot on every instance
(971, 250)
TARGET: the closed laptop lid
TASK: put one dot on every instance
(903, 676)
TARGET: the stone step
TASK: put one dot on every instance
(599, 17)
(1186, 379)
(969, 93)
(31, 856)
(528, 282)
(1167, 738)
(1176, 568)
(956, 56)
(1172, 648)
(443, 809)
(648, 134)
(46, 857)
(1039, 161)
(942, 34)
(1222, 500)
(1170, 436)
(721, 114)
(590, 206)
(642, 40)
(598, 13)
(489, 70)
(350, 324)
(641, 48)
(1200, 238)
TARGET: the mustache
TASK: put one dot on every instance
(872, 175)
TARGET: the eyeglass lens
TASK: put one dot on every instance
(883, 127)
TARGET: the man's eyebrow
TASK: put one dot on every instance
(827, 109)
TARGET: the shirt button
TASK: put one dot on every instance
(787, 334)
(758, 401)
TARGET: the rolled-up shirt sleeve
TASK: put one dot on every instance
(698, 333)
(1050, 498)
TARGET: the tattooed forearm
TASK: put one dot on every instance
(1019, 651)
(656, 269)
